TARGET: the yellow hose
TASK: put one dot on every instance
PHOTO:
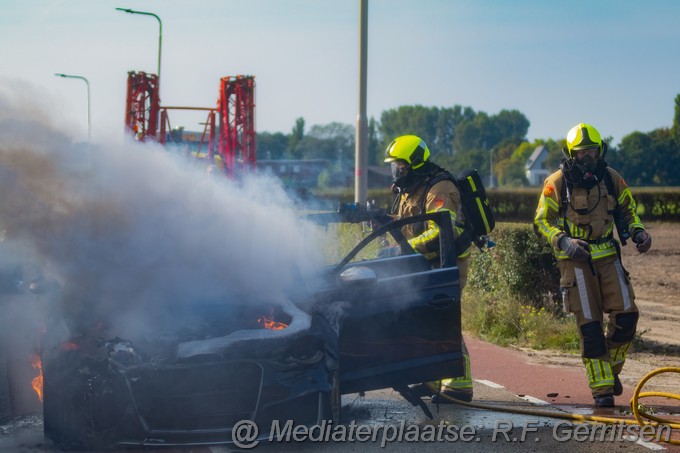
(638, 409)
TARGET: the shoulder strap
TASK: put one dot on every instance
(565, 195)
(609, 183)
(441, 175)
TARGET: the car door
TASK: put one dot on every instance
(401, 322)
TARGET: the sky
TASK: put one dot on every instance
(610, 63)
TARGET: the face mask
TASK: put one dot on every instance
(399, 170)
(586, 164)
(404, 182)
(584, 174)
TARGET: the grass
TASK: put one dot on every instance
(506, 320)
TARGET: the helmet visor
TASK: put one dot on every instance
(399, 169)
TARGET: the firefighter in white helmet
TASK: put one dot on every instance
(577, 212)
(421, 188)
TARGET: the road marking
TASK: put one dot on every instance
(533, 400)
(530, 399)
(489, 384)
(644, 443)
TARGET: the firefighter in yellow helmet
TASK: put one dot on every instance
(576, 214)
(424, 187)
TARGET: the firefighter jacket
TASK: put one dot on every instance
(443, 196)
(586, 214)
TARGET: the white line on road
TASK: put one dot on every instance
(533, 400)
(644, 443)
(489, 384)
(530, 399)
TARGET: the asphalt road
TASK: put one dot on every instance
(382, 420)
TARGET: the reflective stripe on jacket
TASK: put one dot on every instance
(424, 238)
(589, 216)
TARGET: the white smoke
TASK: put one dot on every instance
(126, 226)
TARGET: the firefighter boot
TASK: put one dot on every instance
(604, 401)
(618, 387)
(458, 388)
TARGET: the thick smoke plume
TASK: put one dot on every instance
(123, 227)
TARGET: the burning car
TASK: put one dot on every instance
(368, 323)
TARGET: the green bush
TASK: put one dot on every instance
(512, 295)
(521, 264)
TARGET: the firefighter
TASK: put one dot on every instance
(576, 215)
(412, 175)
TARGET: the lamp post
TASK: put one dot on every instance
(361, 151)
(87, 83)
(160, 33)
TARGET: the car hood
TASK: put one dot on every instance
(300, 322)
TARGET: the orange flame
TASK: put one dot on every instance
(37, 381)
(269, 323)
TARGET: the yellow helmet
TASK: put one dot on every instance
(583, 136)
(409, 148)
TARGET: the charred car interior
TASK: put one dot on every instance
(365, 323)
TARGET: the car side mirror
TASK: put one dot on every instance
(357, 276)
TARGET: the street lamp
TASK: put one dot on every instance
(87, 83)
(361, 144)
(160, 33)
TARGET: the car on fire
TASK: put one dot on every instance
(368, 323)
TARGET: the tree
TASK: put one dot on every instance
(271, 145)
(633, 160)
(333, 141)
(296, 136)
(511, 125)
(473, 134)
(375, 153)
(416, 120)
(487, 132)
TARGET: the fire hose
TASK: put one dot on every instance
(641, 416)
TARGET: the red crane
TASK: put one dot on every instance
(232, 139)
(142, 105)
(236, 107)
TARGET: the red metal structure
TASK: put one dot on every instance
(236, 107)
(209, 128)
(231, 138)
(142, 105)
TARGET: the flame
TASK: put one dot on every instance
(269, 323)
(69, 346)
(37, 381)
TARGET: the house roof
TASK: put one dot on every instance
(536, 157)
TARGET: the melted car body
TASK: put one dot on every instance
(366, 324)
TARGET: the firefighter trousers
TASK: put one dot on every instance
(590, 293)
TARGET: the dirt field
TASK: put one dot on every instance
(656, 281)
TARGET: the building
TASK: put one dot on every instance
(295, 173)
(534, 168)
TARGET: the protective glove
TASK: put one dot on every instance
(642, 240)
(577, 249)
(386, 252)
